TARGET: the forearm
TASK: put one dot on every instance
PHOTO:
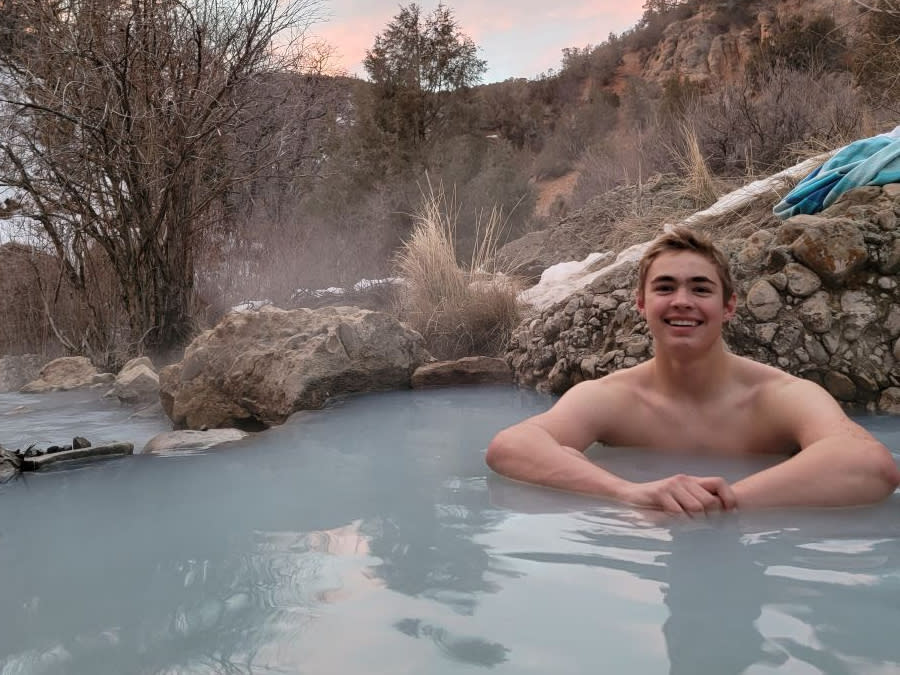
(530, 454)
(833, 472)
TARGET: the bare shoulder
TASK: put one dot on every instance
(590, 410)
(804, 408)
(610, 392)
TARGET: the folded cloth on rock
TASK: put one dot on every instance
(869, 161)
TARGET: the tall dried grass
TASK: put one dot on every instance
(699, 183)
(460, 310)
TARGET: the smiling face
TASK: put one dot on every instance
(682, 301)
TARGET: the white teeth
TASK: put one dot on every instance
(679, 322)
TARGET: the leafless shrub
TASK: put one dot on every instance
(740, 129)
(126, 126)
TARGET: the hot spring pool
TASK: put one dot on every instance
(371, 538)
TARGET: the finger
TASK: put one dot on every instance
(687, 501)
(670, 504)
(710, 500)
(721, 488)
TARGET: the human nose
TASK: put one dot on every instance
(681, 297)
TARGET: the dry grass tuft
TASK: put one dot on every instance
(459, 310)
(699, 183)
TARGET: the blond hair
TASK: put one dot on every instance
(683, 238)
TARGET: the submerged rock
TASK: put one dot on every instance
(175, 441)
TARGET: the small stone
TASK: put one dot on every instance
(815, 350)
(606, 358)
(786, 338)
(892, 323)
(859, 309)
(866, 383)
(637, 345)
(890, 258)
(765, 332)
(629, 362)
(832, 342)
(802, 355)
(605, 302)
(851, 333)
(783, 362)
(886, 219)
(840, 386)
(80, 442)
(801, 281)
(589, 367)
(886, 283)
(763, 301)
(889, 402)
(815, 313)
(779, 280)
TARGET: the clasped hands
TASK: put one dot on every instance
(682, 494)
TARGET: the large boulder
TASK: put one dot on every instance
(256, 368)
(818, 297)
(137, 382)
(63, 374)
(17, 371)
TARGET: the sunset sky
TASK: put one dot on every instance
(520, 38)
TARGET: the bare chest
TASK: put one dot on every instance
(729, 427)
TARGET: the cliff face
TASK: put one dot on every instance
(716, 43)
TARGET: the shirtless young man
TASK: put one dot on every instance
(695, 396)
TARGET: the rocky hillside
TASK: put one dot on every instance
(716, 43)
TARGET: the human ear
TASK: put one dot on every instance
(731, 306)
(639, 301)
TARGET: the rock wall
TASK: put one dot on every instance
(818, 297)
(713, 46)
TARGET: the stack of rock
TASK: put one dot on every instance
(818, 297)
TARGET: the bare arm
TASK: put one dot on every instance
(839, 464)
(548, 449)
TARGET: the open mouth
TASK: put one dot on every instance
(682, 323)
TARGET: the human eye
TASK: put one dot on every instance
(703, 290)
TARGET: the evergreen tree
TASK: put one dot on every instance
(417, 66)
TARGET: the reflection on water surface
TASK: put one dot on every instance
(370, 537)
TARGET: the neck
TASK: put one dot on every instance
(698, 377)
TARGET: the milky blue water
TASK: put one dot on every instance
(370, 538)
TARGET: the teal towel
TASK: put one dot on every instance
(869, 161)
